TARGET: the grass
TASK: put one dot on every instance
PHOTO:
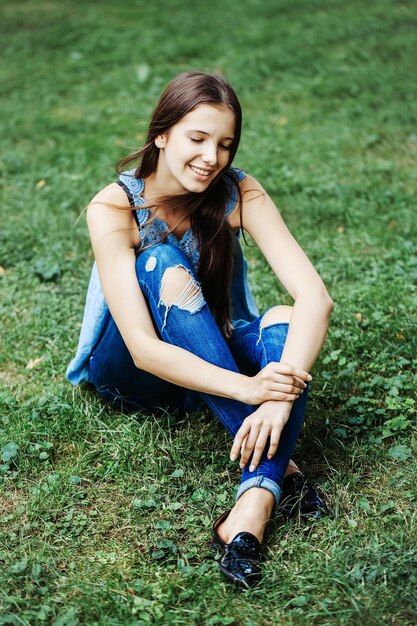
(105, 517)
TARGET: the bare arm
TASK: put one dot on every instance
(114, 235)
(312, 304)
(309, 320)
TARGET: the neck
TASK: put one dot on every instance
(160, 182)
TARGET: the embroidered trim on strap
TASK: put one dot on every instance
(152, 233)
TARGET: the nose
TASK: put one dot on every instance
(209, 154)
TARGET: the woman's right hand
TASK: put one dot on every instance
(276, 381)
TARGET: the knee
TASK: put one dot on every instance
(276, 315)
(179, 287)
(160, 256)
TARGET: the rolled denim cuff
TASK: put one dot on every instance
(265, 483)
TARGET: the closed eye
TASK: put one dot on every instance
(199, 140)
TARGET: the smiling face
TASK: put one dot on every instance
(195, 150)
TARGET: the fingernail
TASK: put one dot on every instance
(305, 385)
(233, 457)
(309, 377)
(241, 465)
(252, 468)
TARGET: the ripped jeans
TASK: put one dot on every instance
(189, 323)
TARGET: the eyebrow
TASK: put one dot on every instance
(204, 133)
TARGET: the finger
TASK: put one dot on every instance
(284, 397)
(238, 440)
(249, 445)
(288, 388)
(286, 368)
(288, 379)
(292, 384)
(242, 447)
(274, 441)
(259, 448)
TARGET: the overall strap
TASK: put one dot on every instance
(133, 188)
(130, 198)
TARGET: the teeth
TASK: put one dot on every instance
(199, 172)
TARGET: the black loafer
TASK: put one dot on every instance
(300, 498)
(240, 559)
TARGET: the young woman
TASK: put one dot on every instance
(170, 320)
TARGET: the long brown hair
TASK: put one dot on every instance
(206, 210)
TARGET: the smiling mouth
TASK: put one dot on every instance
(199, 171)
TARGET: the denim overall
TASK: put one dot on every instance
(103, 359)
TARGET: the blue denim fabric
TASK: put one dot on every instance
(96, 312)
(250, 348)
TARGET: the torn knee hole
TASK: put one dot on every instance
(179, 288)
(150, 264)
(280, 314)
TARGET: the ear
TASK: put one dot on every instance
(160, 141)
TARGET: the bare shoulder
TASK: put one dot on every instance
(253, 194)
(110, 210)
(251, 189)
(112, 195)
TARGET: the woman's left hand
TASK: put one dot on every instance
(267, 421)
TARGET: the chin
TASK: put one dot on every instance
(196, 187)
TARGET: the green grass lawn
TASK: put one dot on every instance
(104, 517)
